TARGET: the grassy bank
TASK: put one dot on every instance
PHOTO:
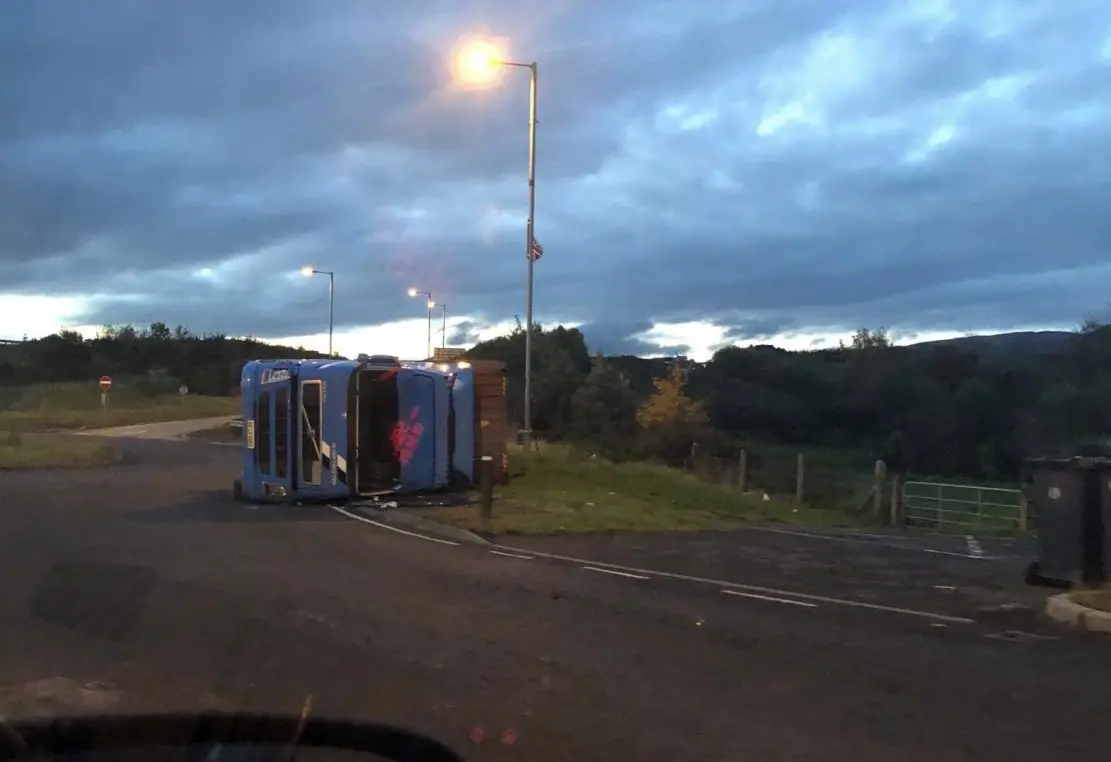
(560, 489)
(46, 407)
(1093, 599)
(54, 451)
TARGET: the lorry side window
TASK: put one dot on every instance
(311, 466)
(281, 432)
(265, 427)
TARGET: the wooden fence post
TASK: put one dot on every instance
(486, 486)
(800, 477)
(742, 470)
(896, 506)
(878, 483)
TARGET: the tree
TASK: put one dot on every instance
(669, 403)
(560, 363)
(867, 339)
(604, 412)
(159, 332)
(670, 421)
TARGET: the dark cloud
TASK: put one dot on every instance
(776, 167)
(463, 334)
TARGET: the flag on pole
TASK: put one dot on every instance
(536, 251)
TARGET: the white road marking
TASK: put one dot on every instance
(795, 533)
(511, 555)
(937, 552)
(806, 604)
(722, 583)
(892, 542)
(973, 546)
(365, 520)
(946, 588)
(614, 571)
(633, 572)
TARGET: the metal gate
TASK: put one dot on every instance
(962, 506)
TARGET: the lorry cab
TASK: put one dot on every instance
(319, 430)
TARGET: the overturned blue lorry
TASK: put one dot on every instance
(329, 430)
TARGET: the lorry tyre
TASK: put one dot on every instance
(237, 490)
(1033, 576)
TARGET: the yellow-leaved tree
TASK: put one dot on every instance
(670, 421)
(669, 403)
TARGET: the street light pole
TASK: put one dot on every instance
(530, 239)
(431, 306)
(476, 62)
(443, 330)
(309, 272)
(331, 310)
(527, 436)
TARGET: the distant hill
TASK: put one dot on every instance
(1017, 342)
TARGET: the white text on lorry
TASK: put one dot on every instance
(273, 375)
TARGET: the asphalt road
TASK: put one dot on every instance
(144, 587)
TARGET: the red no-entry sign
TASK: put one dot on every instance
(105, 383)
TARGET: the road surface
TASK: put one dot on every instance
(166, 430)
(144, 587)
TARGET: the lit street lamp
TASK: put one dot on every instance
(431, 306)
(308, 272)
(479, 62)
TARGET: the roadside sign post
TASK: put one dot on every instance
(105, 385)
(183, 390)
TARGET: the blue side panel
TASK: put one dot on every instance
(463, 434)
(248, 391)
(333, 378)
(266, 387)
(337, 377)
(442, 399)
(416, 433)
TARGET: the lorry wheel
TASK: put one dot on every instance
(237, 490)
(1033, 576)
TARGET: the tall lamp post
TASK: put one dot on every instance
(443, 328)
(479, 62)
(431, 306)
(308, 272)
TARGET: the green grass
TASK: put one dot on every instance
(46, 407)
(1093, 599)
(54, 451)
(560, 489)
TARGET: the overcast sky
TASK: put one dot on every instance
(720, 171)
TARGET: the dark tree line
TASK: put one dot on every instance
(161, 358)
(971, 408)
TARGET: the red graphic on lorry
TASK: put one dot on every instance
(406, 436)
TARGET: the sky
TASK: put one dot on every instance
(711, 173)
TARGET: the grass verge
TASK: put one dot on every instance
(561, 490)
(55, 451)
(77, 414)
(1093, 599)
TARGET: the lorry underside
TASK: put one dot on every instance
(372, 419)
